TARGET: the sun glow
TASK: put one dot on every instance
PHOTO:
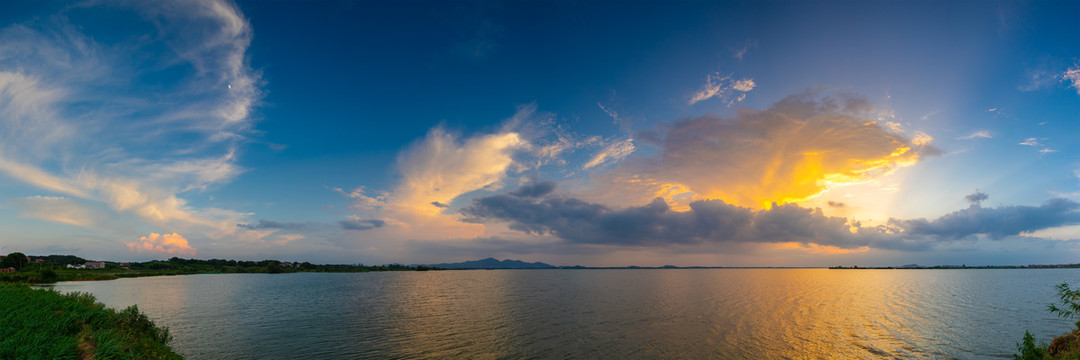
(816, 249)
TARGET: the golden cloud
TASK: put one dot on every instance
(162, 244)
(787, 153)
(441, 168)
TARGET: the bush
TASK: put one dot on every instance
(1029, 350)
(1066, 346)
(48, 276)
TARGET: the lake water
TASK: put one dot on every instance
(611, 314)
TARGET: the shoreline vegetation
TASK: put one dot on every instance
(936, 267)
(1063, 347)
(45, 324)
(53, 268)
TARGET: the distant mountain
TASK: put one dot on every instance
(492, 263)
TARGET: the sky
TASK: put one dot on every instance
(718, 133)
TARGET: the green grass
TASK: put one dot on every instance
(45, 324)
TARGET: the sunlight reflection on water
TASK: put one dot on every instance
(684, 313)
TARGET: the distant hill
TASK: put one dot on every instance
(493, 263)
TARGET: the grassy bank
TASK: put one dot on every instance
(45, 324)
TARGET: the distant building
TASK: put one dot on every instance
(7, 270)
(95, 265)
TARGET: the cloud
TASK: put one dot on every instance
(1031, 142)
(58, 209)
(788, 152)
(268, 224)
(1037, 79)
(744, 48)
(443, 166)
(977, 134)
(718, 86)
(655, 224)
(976, 197)
(612, 153)
(174, 244)
(610, 112)
(994, 222)
(534, 189)
(78, 118)
(361, 224)
(440, 168)
(1072, 75)
(784, 226)
(1034, 142)
(744, 85)
(39, 178)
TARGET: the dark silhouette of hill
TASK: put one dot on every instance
(493, 263)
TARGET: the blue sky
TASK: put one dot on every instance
(595, 133)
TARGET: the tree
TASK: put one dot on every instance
(1070, 303)
(274, 267)
(16, 260)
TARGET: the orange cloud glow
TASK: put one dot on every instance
(163, 244)
(812, 248)
(787, 153)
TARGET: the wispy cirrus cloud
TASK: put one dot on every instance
(55, 208)
(613, 152)
(135, 122)
(979, 134)
(1037, 142)
(1039, 78)
(744, 48)
(1032, 142)
(723, 87)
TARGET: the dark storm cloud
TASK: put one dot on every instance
(994, 222)
(366, 224)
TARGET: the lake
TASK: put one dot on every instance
(611, 314)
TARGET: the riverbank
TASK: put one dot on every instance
(45, 324)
